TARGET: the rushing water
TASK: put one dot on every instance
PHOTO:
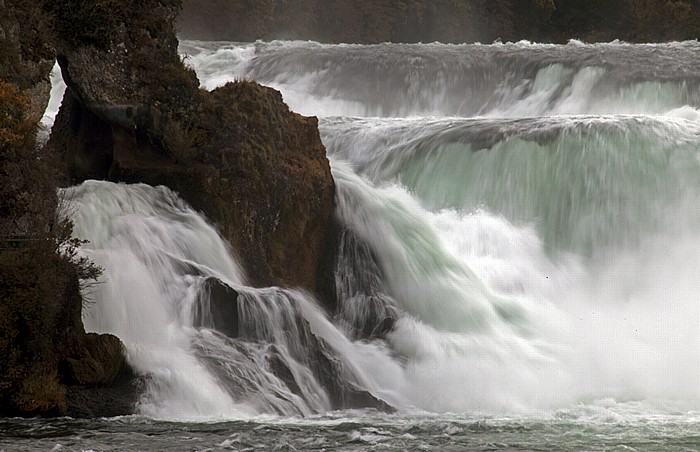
(524, 215)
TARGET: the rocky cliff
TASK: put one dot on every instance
(48, 365)
(134, 112)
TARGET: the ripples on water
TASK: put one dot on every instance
(592, 428)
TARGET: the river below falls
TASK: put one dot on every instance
(525, 213)
(596, 427)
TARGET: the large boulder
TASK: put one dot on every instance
(99, 381)
(134, 113)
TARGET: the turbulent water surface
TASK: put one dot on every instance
(526, 214)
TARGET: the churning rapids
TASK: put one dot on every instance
(526, 214)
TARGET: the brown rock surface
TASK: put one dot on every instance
(101, 361)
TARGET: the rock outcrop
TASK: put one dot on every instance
(134, 113)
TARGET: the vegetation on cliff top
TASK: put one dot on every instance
(371, 21)
(137, 36)
(26, 54)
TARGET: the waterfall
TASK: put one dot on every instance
(519, 234)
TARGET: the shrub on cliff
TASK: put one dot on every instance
(35, 286)
(26, 55)
(40, 320)
(93, 22)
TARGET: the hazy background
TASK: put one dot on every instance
(456, 21)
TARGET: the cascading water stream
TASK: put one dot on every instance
(499, 321)
(519, 236)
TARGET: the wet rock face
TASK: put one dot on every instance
(134, 113)
(99, 382)
(284, 333)
(119, 398)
